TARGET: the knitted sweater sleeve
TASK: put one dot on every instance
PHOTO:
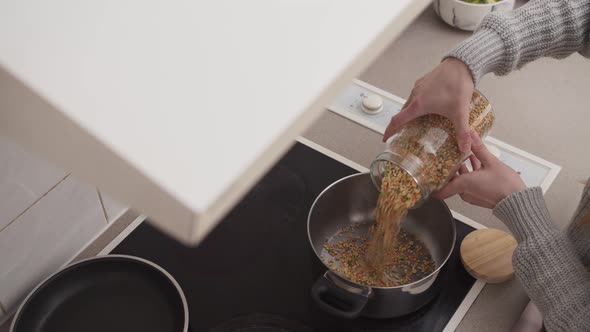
(546, 263)
(579, 233)
(509, 40)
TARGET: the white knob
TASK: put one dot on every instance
(372, 104)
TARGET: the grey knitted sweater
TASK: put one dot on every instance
(551, 266)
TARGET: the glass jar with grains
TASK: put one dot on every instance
(426, 150)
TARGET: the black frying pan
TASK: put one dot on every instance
(109, 293)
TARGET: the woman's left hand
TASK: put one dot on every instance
(490, 181)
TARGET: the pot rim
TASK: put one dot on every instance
(433, 274)
(102, 257)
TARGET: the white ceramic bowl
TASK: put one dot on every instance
(467, 16)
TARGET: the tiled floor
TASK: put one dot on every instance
(46, 236)
(24, 178)
(114, 229)
(46, 217)
(112, 208)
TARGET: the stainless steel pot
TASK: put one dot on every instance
(352, 200)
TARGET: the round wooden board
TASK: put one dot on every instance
(487, 255)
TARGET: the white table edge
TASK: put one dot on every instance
(189, 224)
(209, 218)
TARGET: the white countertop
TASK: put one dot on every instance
(189, 102)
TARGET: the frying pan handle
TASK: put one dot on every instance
(336, 300)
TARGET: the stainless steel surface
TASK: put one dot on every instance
(353, 200)
(348, 286)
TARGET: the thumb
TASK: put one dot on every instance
(480, 150)
(456, 186)
(397, 121)
(463, 131)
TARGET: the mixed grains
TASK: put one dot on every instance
(399, 192)
(385, 256)
(409, 260)
(429, 143)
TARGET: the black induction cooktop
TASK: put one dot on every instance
(254, 271)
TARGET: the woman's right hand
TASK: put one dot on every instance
(490, 181)
(446, 91)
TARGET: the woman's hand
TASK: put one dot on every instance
(446, 91)
(490, 181)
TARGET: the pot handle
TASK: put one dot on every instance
(336, 300)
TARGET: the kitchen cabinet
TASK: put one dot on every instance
(178, 108)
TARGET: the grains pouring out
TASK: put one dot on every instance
(386, 255)
(399, 192)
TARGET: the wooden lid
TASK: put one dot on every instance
(487, 255)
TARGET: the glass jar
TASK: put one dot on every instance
(426, 148)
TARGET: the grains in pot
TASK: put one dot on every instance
(409, 261)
